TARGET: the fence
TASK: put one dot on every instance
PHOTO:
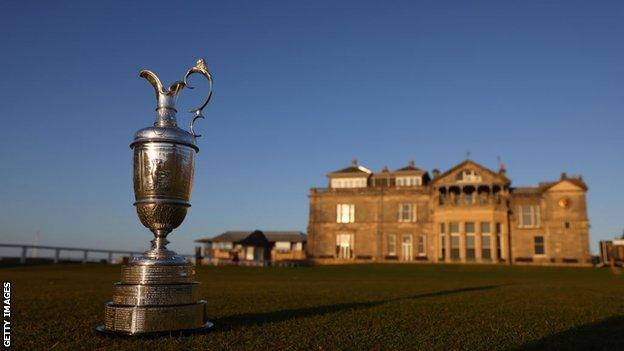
(59, 249)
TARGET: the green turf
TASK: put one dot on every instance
(341, 307)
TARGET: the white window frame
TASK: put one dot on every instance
(408, 181)
(408, 214)
(534, 214)
(392, 248)
(338, 183)
(345, 213)
(421, 243)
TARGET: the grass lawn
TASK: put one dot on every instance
(341, 307)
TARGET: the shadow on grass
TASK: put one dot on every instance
(607, 334)
(245, 319)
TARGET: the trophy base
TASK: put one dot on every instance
(155, 299)
(102, 331)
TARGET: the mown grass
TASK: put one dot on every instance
(341, 307)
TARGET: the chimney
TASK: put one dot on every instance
(436, 173)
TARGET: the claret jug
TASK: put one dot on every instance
(157, 292)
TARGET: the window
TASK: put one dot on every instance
(454, 229)
(282, 245)
(349, 183)
(297, 247)
(485, 227)
(224, 245)
(421, 245)
(486, 252)
(345, 213)
(470, 227)
(408, 181)
(529, 216)
(470, 240)
(455, 247)
(567, 225)
(407, 212)
(470, 246)
(538, 243)
(391, 244)
(486, 240)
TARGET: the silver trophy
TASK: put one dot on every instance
(157, 292)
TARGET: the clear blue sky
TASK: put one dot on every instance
(301, 88)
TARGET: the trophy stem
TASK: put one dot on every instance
(159, 245)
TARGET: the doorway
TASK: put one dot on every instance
(344, 243)
(406, 248)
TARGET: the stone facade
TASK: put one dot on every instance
(467, 214)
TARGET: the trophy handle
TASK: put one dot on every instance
(198, 115)
(201, 68)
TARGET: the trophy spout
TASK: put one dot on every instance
(165, 99)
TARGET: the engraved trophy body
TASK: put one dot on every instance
(157, 292)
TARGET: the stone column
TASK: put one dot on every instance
(503, 242)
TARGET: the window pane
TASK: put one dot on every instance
(345, 213)
(470, 228)
(486, 247)
(470, 241)
(526, 218)
(539, 245)
(455, 246)
(392, 244)
(454, 227)
(421, 245)
(485, 227)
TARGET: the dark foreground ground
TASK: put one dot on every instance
(341, 307)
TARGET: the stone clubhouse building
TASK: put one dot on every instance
(466, 214)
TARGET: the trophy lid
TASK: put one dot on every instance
(173, 135)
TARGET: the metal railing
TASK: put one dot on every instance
(85, 251)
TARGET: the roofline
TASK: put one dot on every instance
(463, 163)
